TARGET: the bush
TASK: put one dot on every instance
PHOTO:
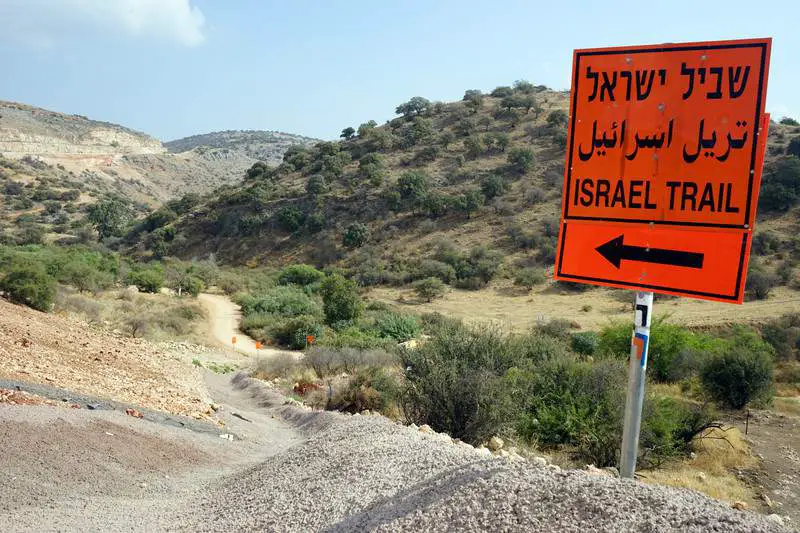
(429, 288)
(398, 327)
(783, 334)
(492, 186)
(191, 285)
(294, 332)
(430, 268)
(738, 376)
(282, 301)
(528, 277)
(759, 283)
(147, 279)
(584, 343)
(299, 275)
(290, 218)
(29, 285)
(340, 299)
(789, 121)
(565, 402)
(355, 235)
(371, 388)
(455, 380)
(521, 159)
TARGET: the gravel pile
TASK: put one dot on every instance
(366, 473)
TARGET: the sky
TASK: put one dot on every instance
(174, 68)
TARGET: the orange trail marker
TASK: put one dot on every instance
(665, 151)
(233, 340)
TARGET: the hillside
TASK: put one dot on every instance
(251, 146)
(54, 165)
(462, 191)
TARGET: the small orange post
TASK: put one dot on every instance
(258, 345)
(310, 340)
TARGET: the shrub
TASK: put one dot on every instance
(29, 285)
(780, 190)
(316, 185)
(492, 186)
(283, 301)
(738, 376)
(521, 159)
(783, 334)
(759, 282)
(340, 299)
(147, 279)
(355, 235)
(668, 428)
(299, 275)
(584, 343)
(566, 402)
(765, 242)
(371, 388)
(293, 332)
(528, 277)
(789, 121)
(793, 147)
(398, 327)
(191, 285)
(290, 218)
(430, 268)
(557, 118)
(429, 288)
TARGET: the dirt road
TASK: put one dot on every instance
(224, 317)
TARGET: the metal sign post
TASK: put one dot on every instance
(640, 343)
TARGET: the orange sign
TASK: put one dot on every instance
(665, 149)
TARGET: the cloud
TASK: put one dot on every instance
(44, 23)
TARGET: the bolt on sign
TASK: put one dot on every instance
(664, 158)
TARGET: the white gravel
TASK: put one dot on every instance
(364, 473)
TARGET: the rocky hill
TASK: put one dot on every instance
(250, 145)
(53, 165)
(129, 162)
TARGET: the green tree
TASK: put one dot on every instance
(429, 288)
(29, 284)
(348, 133)
(521, 159)
(789, 121)
(316, 185)
(474, 146)
(780, 190)
(557, 118)
(109, 217)
(416, 106)
(446, 139)
(794, 147)
(469, 202)
(493, 185)
(340, 299)
(738, 376)
(290, 218)
(524, 87)
(413, 185)
(502, 92)
(355, 235)
(366, 128)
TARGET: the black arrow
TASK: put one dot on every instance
(615, 251)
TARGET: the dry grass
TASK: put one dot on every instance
(786, 406)
(503, 304)
(152, 316)
(711, 471)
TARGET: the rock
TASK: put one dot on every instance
(775, 519)
(503, 453)
(539, 461)
(692, 456)
(413, 426)
(366, 412)
(612, 471)
(767, 500)
(92, 406)
(495, 443)
(701, 476)
(739, 505)
(594, 471)
(425, 428)
(133, 412)
(554, 468)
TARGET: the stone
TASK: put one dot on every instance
(594, 471)
(739, 505)
(692, 456)
(701, 476)
(539, 461)
(503, 453)
(612, 471)
(413, 426)
(775, 519)
(767, 500)
(425, 428)
(495, 443)
(366, 412)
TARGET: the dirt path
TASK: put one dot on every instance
(223, 318)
